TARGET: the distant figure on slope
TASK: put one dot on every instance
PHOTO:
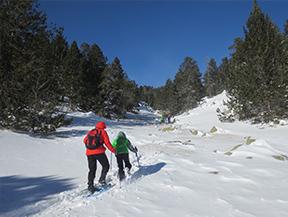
(168, 117)
(163, 117)
(121, 144)
(98, 154)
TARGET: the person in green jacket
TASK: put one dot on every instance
(121, 144)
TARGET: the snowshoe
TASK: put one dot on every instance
(92, 189)
(104, 185)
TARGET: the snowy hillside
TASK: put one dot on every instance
(186, 169)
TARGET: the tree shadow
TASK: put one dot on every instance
(147, 170)
(67, 134)
(89, 120)
(17, 192)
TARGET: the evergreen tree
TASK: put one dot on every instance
(222, 78)
(147, 94)
(168, 94)
(118, 93)
(286, 28)
(161, 99)
(166, 98)
(173, 106)
(188, 84)
(258, 72)
(72, 76)
(131, 95)
(59, 47)
(93, 68)
(210, 78)
(29, 85)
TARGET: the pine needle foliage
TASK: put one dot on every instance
(258, 71)
(188, 84)
(29, 74)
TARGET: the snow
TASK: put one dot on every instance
(185, 170)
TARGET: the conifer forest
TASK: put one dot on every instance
(42, 77)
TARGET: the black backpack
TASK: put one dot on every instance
(93, 139)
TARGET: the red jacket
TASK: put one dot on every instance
(104, 139)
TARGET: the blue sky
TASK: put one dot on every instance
(152, 38)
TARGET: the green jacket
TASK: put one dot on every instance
(121, 144)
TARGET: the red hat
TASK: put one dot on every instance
(101, 125)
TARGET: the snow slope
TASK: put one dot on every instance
(185, 170)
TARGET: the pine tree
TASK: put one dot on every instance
(29, 85)
(118, 93)
(59, 47)
(159, 101)
(258, 72)
(94, 65)
(286, 28)
(166, 98)
(72, 76)
(222, 78)
(210, 77)
(131, 96)
(188, 84)
(168, 93)
(147, 94)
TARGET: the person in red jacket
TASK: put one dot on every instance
(98, 154)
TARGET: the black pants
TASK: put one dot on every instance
(120, 159)
(92, 164)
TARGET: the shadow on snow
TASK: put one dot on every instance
(147, 170)
(18, 192)
(90, 120)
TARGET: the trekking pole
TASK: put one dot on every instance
(111, 161)
(137, 156)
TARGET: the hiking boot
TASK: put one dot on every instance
(122, 176)
(128, 171)
(103, 184)
(92, 189)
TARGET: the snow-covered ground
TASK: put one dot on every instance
(185, 170)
